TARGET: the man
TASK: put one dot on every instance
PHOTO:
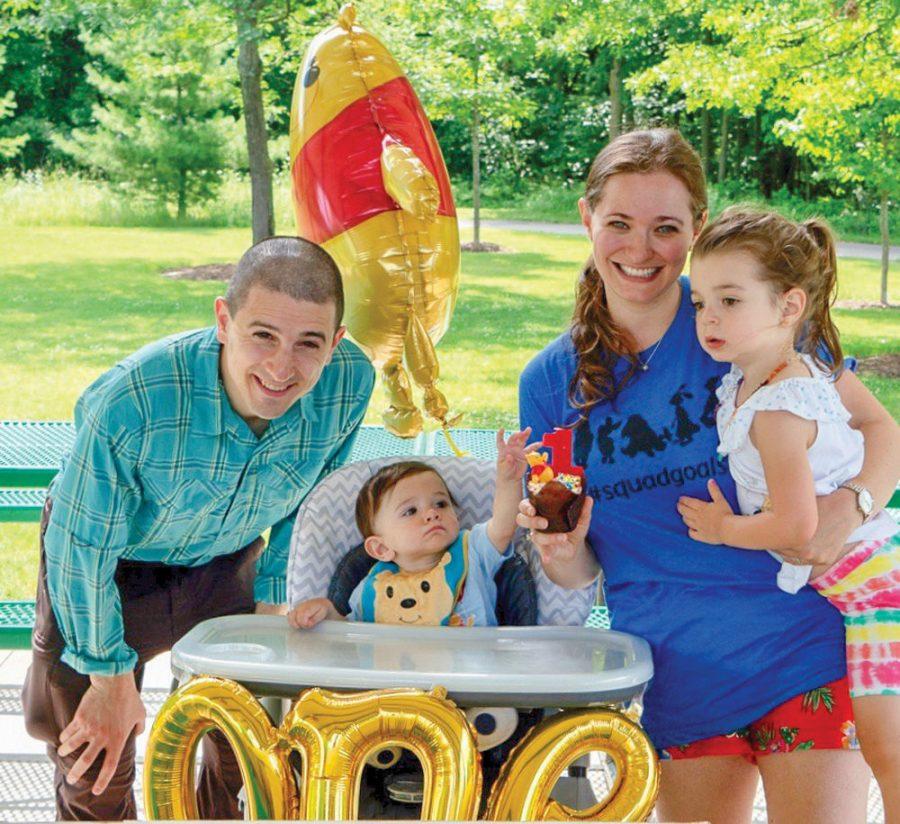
(184, 454)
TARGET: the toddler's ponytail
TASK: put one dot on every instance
(822, 292)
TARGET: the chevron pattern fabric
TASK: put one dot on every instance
(325, 530)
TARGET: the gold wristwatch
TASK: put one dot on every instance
(864, 502)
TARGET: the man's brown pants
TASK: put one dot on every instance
(160, 604)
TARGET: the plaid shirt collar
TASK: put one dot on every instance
(212, 413)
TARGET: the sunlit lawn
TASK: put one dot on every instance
(77, 299)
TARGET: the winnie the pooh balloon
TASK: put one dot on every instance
(370, 186)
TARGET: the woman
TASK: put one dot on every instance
(742, 670)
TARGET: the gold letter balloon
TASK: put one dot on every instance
(202, 705)
(338, 734)
(522, 790)
(370, 186)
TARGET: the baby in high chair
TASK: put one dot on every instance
(428, 571)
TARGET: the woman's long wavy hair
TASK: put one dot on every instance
(599, 342)
(791, 256)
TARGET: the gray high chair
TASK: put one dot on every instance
(325, 538)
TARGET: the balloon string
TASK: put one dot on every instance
(460, 453)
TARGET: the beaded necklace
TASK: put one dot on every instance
(781, 366)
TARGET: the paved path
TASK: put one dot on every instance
(867, 251)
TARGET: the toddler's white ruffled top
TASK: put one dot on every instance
(835, 456)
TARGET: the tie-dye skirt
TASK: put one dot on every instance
(865, 586)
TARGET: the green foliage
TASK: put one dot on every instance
(45, 71)
(808, 88)
(59, 198)
(160, 129)
(10, 146)
(831, 69)
(461, 55)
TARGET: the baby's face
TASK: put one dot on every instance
(417, 521)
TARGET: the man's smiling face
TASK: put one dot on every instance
(274, 349)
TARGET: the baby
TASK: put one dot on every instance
(428, 571)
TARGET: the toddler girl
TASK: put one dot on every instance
(762, 286)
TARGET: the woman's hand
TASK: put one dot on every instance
(838, 517)
(566, 557)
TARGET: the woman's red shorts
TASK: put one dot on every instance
(820, 719)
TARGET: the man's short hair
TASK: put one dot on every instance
(293, 266)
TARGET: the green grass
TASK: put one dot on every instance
(57, 198)
(77, 299)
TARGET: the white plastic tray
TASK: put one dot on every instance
(499, 666)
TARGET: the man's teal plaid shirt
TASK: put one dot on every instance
(163, 469)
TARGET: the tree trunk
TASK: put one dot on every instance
(182, 194)
(476, 159)
(723, 147)
(739, 138)
(705, 140)
(615, 98)
(182, 172)
(885, 247)
(757, 149)
(250, 72)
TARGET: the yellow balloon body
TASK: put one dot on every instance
(522, 790)
(371, 187)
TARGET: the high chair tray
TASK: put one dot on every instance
(502, 666)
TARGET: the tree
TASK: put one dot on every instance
(45, 72)
(159, 126)
(624, 36)
(247, 23)
(830, 68)
(9, 145)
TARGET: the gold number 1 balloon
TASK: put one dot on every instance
(371, 187)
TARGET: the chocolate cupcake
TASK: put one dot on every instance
(559, 503)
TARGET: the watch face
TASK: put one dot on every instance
(865, 501)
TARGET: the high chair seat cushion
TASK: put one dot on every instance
(325, 530)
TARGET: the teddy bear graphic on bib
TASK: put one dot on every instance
(391, 596)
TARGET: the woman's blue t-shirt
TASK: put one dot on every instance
(728, 645)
